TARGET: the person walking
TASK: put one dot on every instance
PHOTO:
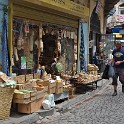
(118, 59)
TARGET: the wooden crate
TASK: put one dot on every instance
(51, 86)
(22, 101)
(29, 77)
(20, 86)
(31, 107)
(33, 98)
(34, 93)
(21, 96)
(43, 93)
(36, 76)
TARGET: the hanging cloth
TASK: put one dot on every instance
(82, 52)
(5, 51)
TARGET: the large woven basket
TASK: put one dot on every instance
(6, 95)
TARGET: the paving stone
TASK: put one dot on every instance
(38, 122)
(40, 117)
(101, 109)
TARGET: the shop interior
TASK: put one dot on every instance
(42, 45)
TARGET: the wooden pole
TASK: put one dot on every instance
(10, 30)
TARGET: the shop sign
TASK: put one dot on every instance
(69, 5)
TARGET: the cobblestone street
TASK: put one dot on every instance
(100, 108)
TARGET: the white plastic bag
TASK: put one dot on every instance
(50, 98)
(46, 104)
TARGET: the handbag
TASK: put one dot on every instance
(105, 72)
(111, 72)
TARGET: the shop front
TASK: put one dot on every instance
(45, 32)
(44, 47)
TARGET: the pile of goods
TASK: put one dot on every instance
(91, 76)
(30, 93)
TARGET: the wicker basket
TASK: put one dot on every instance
(6, 95)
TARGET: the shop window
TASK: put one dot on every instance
(36, 45)
(25, 46)
(58, 45)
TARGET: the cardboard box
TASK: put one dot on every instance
(59, 85)
(31, 107)
(59, 90)
(21, 79)
(51, 86)
(29, 77)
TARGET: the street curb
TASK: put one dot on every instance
(29, 119)
(44, 113)
(22, 120)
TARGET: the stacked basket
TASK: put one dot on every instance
(6, 95)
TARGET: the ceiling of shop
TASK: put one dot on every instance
(109, 4)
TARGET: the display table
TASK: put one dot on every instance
(64, 95)
(88, 83)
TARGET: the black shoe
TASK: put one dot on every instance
(122, 89)
(115, 93)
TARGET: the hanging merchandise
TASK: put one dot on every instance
(59, 47)
(5, 52)
(64, 33)
(31, 41)
(67, 34)
(26, 28)
(40, 31)
(82, 52)
(16, 54)
(60, 32)
(20, 39)
(72, 35)
(75, 37)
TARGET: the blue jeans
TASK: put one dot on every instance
(119, 72)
